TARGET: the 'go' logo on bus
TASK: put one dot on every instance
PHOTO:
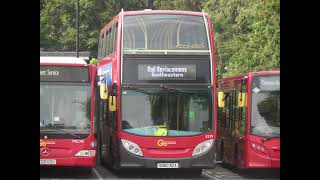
(164, 143)
(42, 143)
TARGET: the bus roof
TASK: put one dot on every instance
(251, 74)
(194, 13)
(148, 11)
(62, 60)
(230, 82)
(266, 72)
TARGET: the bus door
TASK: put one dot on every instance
(240, 127)
(108, 128)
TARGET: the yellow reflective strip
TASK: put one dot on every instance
(161, 132)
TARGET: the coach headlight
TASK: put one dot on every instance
(86, 153)
(132, 147)
(203, 147)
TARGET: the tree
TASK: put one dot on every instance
(186, 5)
(247, 35)
(93, 61)
(58, 25)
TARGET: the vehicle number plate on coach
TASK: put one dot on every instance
(167, 165)
(48, 161)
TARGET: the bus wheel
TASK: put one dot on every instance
(195, 172)
(115, 168)
(87, 170)
(221, 152)
(114, 164)
(102, 153)
(236, 158)
(223, 162)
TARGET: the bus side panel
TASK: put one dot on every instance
(214, 89)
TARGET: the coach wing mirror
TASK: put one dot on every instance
(103, 91)
(112, 103)
(220, 99)
(242, 99)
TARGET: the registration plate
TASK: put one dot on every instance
(48, 161)
(167, 165)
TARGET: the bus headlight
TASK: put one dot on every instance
(259, 148)
(203, 147)
(132, 147)
(86, 153)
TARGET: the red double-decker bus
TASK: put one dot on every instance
(67, 111)
(157, 90)
(249, 120)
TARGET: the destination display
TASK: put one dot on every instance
(266, 83)
(64, 73)
(167, 71)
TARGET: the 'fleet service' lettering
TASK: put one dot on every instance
(48, 72)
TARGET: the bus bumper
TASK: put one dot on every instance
(73, 161)
(258, 161)
(129, 160)
(275, 163)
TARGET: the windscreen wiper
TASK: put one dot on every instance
(162, 86)
(74, 135)
(135, 89)
(61, 130)
(269, 138)
(179, 90)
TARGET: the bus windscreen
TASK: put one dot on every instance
(179, 113)
(65, 110)
(265, 113)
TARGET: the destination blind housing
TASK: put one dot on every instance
(167, 71)
(267, 82)
(64, 74)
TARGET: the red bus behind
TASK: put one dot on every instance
(249, 120)
(67, 112)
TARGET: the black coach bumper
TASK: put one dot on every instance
(129, 160)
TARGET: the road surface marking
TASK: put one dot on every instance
(206, 174)
(95, 171)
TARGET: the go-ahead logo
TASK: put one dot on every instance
(162, 142)
(43, 143)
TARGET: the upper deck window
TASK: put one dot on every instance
(165, 34)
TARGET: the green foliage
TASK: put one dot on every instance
(133, 5)
(93, 61)
(185, 5)
(247, 35)
(58, 23)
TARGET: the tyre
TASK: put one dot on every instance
(235, 157)
(221, 152)
(87, 170)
